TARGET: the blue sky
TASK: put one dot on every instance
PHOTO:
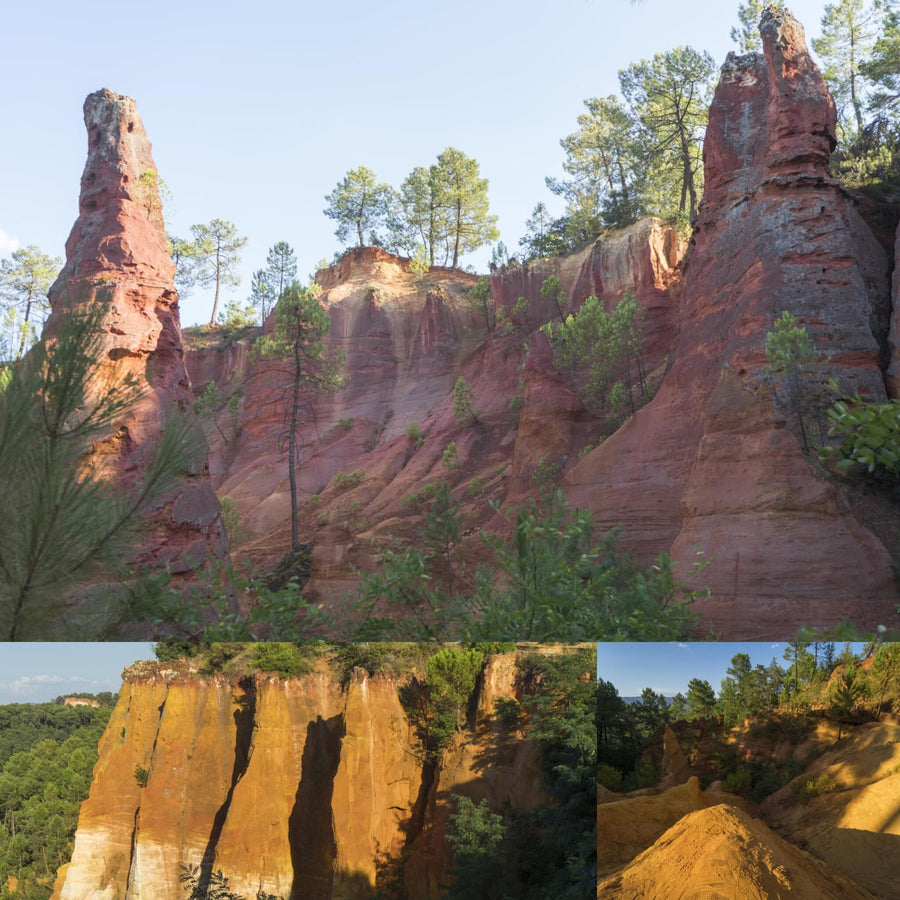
(36, 673)
(668, 667)
(257, 110)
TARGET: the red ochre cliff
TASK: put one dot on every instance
(117, 258)
(713, 462)
(296, 787)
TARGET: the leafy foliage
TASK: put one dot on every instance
(47, 754)
(214, 255)
(25, 279)
(548, 581)
(793, 359)
(602, 353)
(359, 204)
(463, 395)
(870, 435)
(68, 519)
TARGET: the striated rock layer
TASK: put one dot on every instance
(406, 342)
(117, 258)
(296, 787)
(714, 461)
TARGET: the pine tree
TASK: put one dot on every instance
(359, 204)
(25, 278)
(297, 346)
(216, 253)
(68, 519)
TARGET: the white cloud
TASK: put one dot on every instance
(8, 243)
(28, 685)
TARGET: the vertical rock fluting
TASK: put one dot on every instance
(117, 258)
(294, 787)
(714, 460)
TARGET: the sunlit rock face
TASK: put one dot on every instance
(117, 258)
(714, 461)
(298, 787)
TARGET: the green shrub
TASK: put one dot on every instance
(474, 487)
(609, 777)
(343, 481)
(346, 424)
(450, 459)
(738, 782)
(423, 495)
(285, 659)
(870, 435)
(217, 655)
(508, 711)
(546, 473)
(141, 776)
(824, 784)
(414, 433)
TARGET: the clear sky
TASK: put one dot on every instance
(257, 110)
(668, 667)
(36, 673)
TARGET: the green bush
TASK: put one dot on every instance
(423, 495)
(609, 777)
(450, 459)
(286, 660)
(141, 776)
(346, 424)
(738, 782)
(343, 481)
(824, 784)
(414, 433)
(870, 435)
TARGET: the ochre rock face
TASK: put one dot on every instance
(297, 787)
(116, 257)
(714, 461)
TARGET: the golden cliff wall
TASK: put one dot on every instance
(295, 787)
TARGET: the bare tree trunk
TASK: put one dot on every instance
(292, 452)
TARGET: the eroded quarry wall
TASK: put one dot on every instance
(713, 463)
(295, 787)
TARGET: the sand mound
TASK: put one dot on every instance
(627, 827)
(721, 853)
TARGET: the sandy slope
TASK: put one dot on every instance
(721, 853)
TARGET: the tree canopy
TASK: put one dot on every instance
(25, 278)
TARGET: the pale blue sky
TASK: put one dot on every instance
(257, 110)
(668, 667)
(36, 673)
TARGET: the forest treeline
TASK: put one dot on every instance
(47, 755)
(846, 688)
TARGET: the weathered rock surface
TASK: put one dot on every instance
(853, 823)
(406, 342)
(714, 461)
(296, 787)
(720, 853)
(116, 257)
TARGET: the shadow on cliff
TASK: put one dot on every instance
(244, 717)
(312, 841)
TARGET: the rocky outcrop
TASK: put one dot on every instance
(722, 852)
(714, 461)
(117, 259)
(407, 339)
(851, 819)
(297, 787)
